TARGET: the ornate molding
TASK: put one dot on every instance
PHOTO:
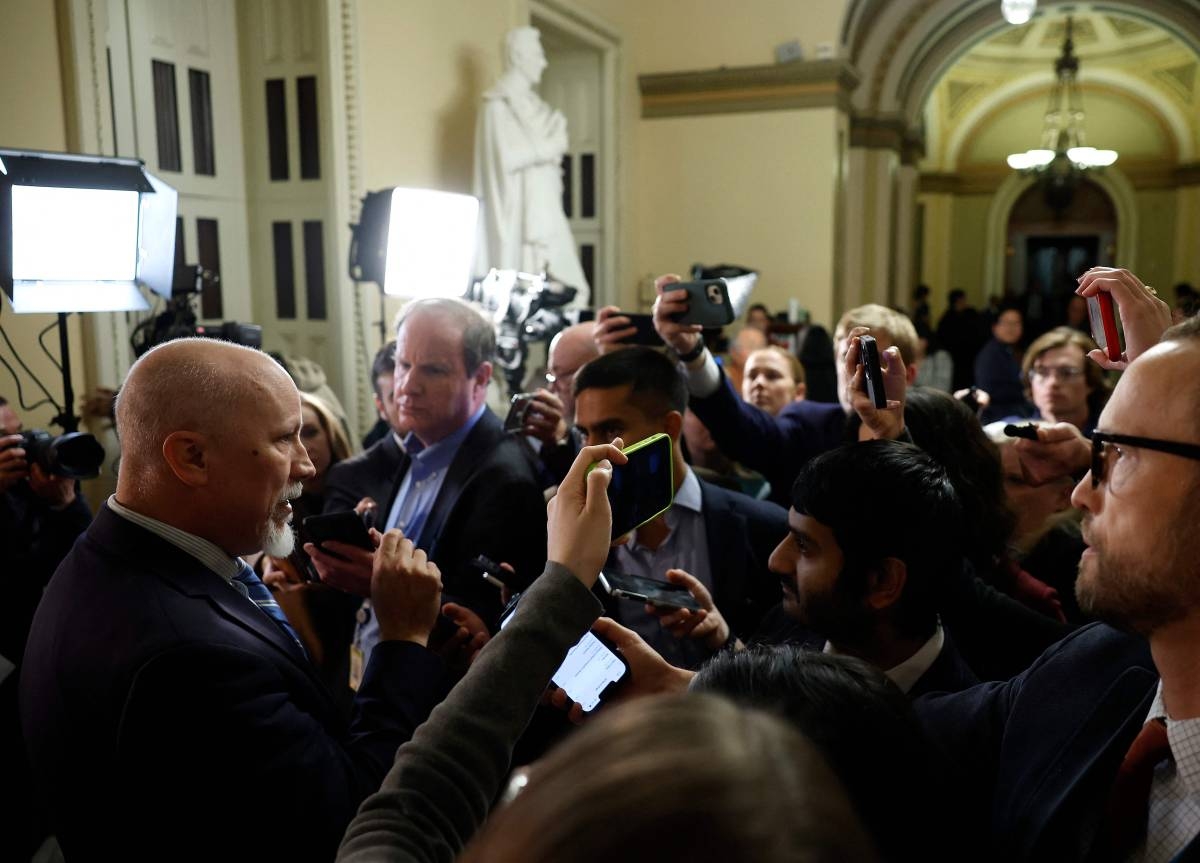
(778, 87)
(1187, 175)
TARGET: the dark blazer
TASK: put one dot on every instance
(1039, 753)
(742, 532)
(169, 718)
(775, 446)
(371, 473)
(490, 503)
(948, 673)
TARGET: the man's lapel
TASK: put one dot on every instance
(475, 446)
(1055, 812)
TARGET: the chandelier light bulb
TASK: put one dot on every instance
(1017, 12)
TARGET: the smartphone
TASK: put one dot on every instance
(663, 594)
(591, 671)
(868, 355)
(646, 334)
(708, 303)
(344, 527)
(1103, 315)
(492, 573)
(644, 487)
(518, 409)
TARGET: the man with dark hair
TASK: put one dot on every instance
(864, 586)
(870, 586)
(711, 536)
(465, 487)
(370, 474)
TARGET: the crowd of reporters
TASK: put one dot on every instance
(879, 595)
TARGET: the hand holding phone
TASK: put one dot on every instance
(708, 303)
(1103, 317)
(579, 517)
(347, 527)
(644, 487)
(493, 573)
(651, 591)
(615, 329)
(872, 372)
(518, 409)
(1139, 316)
(591, 671)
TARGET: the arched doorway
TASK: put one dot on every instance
(966, 88)
(1046, 250)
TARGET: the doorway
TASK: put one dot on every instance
(1048, 251)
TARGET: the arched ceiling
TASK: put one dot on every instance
(1140, 86)
(906, 50)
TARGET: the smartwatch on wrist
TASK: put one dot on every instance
(694, 352)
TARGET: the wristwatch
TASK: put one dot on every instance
(694, 352)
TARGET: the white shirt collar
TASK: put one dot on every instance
(201, 549)
(907, 673)
(688, 495)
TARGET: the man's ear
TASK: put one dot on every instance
(187, 455)
(885, 583)
(379, 408)
(482, 375)
(672, 425)
(801, 391)
(910, 372)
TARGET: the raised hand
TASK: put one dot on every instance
(1144, 317)
(681, 338)
(579, 517)
(878, 423)
(611, 329)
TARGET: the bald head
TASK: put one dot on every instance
(210, 436)
(199, 385)
(570, 350)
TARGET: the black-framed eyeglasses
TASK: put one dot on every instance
(1101, 439)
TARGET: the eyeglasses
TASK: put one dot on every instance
(565, 378)
(1063, 373)
(1102, 440)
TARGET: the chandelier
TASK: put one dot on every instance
(1064, 154)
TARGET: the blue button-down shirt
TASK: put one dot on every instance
(427, 470)
(686, 548)
(419, 489)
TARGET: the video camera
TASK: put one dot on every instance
(75, 455)
(525, 308)
(178, 319)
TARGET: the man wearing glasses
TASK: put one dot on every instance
(1094, 752)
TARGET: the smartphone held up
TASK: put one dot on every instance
(1102, 313)
(644, 487)
(868, 355)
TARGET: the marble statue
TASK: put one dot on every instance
(519, 145)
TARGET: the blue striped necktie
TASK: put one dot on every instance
(260, 595)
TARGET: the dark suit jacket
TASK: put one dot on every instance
(169, 718)
(1039, 753)
(777, 447)
(742, 532)
(371, 473)
(490, 503)
(948, 673)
